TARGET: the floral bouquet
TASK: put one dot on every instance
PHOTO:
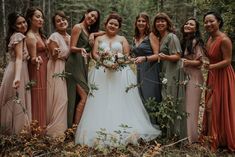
(112, 60)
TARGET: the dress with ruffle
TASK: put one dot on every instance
(15, 114)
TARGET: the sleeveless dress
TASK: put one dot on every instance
(13, 115)
(39, 90)
(76, 66)
(57, 99)
(110, 106)
(222, 84)
(147, 72)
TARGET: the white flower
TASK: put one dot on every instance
(164, 81)
(120, 55)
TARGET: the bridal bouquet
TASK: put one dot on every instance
(112, 60)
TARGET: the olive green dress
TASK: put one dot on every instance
(172, 72)
(78, 73)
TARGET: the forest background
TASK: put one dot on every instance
(178, 10)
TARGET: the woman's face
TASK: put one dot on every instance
(37, 19)
(91, 17)
(21, 25)
(161, 25)
(190, 26)
(112, 27)
(61, 23)
(211, 24)
(141, 24)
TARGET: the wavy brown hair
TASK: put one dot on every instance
(145, 16)
(164, 16)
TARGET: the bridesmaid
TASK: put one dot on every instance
(77, 64)
(146, 47)
(170, 51)
(14, 116)
(193, 50)
(35, 41)
(57, 100)
(219, 116)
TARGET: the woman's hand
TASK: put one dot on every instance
(139, 59)
(92, 39)
(16, 83)
(162, 56)
(38, 61)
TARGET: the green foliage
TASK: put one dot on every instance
(166, 112)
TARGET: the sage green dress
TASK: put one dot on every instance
(78, 70)
(173, 73)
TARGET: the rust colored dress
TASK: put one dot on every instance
(38, 91)
(222, 99)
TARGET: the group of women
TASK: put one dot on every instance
(59, 93)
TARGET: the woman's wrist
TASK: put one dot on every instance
(146, 58)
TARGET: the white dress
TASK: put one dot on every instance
(110, 106)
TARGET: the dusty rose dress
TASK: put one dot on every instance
(57, 99)
(193, 93)
(222, 97)
(38, 91)
(15, 115)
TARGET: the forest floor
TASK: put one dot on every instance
(34, 143)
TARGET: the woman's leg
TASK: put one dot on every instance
(81, 104)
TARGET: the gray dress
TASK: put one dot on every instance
(171, 71)
(147, 72)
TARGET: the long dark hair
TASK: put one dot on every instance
(187, 41)
(147, 30)
(170, 26)
(94, 27)
(12, 18)
(29, 14)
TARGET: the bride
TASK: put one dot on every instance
(110, 111)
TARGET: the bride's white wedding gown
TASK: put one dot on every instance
(110, 106)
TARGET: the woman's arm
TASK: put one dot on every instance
(95, 49)
(126, 46)
(155, 47)
(226, 48)
(172, 58)
(18, 63)
(53, 49)
(93, 35)
(31, 43)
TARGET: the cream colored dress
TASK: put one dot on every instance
(57, 99)
(15, 114)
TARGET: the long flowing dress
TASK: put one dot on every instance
(78, 69)
(57, 99)
(172, 72)
(222, 100)
(15, 115)
(147, 72)
(193, 93)
(39, 90)
(110, 106)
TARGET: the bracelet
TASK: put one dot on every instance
(146, 58)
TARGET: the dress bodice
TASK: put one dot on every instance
(214, 52)
(114, 47)
(143, 49)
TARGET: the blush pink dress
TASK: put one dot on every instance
(57, 99)
(15, 115)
